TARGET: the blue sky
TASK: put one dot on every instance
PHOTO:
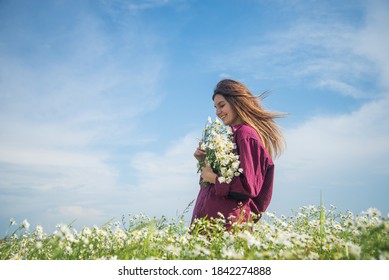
(102, 102)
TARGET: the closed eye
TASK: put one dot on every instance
(220, 105)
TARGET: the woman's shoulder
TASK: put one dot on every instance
(244, 131)
(248, 136)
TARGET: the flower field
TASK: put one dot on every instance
(312, 232)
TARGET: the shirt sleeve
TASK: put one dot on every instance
(254, 162)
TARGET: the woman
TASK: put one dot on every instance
(258, 139)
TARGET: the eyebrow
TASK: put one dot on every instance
(218, 104)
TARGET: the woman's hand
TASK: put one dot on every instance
(199, 154)
(207, 174)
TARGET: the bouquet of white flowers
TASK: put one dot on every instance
(217, 142)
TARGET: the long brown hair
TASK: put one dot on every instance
(250, 111)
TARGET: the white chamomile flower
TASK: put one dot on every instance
(221, 179)
(12, 221)
(38, 245)
(26, 224)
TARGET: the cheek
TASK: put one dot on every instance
(231, 112)
(227, 109)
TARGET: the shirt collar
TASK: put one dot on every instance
(236, 127)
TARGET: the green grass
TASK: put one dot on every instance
(310, 233)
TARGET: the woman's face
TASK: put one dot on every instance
(225, 111)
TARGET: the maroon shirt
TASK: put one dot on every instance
(251, 191)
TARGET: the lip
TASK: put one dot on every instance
(224, 119)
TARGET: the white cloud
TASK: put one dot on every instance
(67, 108)
(326, 149)
(168, 179)
(116, 7)
(344, 156)
(339, 86)
(372, 41)
(337, 56)
(72, 211)
(65, 100)
(47, 158)
(148, 4)
(330, 150)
